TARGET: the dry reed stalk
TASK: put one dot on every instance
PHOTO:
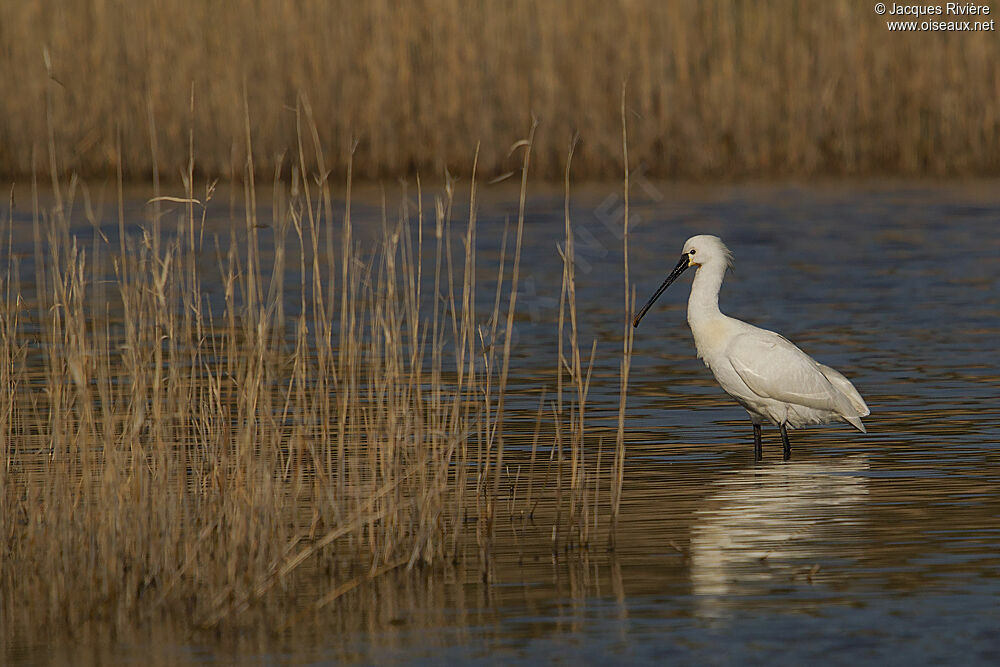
(618, 468)
(497, 439)
(531, 463)
(573, 366)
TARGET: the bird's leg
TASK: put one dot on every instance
(758, 448)
(787, 452)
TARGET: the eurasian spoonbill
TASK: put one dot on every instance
(766, 374)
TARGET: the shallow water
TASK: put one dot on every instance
(882, 546)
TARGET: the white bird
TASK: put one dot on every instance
(764, 371)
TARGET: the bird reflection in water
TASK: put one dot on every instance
(766, 527)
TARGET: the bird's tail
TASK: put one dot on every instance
(844, 386)
(856, 423)
(854, 408)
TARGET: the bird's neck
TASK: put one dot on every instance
(703, 304)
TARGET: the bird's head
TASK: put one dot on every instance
(706, 249)
(701, 250)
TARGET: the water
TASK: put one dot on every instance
(882, 547)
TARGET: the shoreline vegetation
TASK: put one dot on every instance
(199, 457)
(717, 90)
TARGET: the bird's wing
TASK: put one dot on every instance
(774, 368)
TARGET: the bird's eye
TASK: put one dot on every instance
(692, 251)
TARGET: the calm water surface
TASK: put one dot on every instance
(882, 547)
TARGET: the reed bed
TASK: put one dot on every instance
(718, 89)
(210, 442)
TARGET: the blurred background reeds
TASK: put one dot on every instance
(717, 89)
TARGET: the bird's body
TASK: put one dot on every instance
(763, 371)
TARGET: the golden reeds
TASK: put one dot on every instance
(193, 443)
(722, 88)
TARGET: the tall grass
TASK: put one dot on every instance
(189, 443)
(719, 88)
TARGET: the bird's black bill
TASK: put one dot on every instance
(678, 270)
